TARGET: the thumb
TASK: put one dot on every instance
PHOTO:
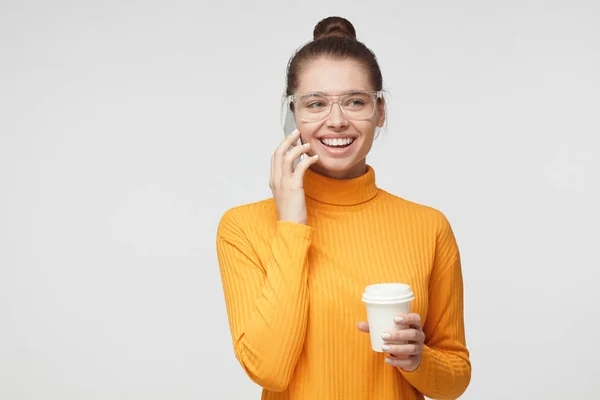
(363, 327)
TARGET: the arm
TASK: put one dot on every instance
(267, 304)
(445, 369)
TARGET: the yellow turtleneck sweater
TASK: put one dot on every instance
(293, 293)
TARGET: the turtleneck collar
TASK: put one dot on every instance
(340, 192)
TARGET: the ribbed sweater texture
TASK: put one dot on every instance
(293, 293)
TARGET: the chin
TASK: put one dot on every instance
(337, 167)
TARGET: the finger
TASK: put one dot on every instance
(402, 363)
(404, 335)
(402, 350)
(413, 320)
(288, 141)
(363, 327)
(272, 175)
(293, 154)
(279, 154)
(302, 167)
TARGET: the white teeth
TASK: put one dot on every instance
(337, 142)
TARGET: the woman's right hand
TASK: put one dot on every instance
(286, 183)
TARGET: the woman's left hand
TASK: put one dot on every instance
(405, 346)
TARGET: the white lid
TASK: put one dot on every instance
(384, 293)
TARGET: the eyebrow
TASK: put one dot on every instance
(354, 91)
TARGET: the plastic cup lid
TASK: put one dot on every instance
(387, 293)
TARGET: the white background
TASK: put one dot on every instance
(127, 128)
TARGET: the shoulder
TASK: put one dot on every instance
(423, 213)
(240, 218)
(430, 222)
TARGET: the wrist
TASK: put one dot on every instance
(293, 221)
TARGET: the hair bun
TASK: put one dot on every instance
(334, 26)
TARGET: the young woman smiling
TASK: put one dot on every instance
(294, 266)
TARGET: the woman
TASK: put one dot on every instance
(294, 267)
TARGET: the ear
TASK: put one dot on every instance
(381, 108)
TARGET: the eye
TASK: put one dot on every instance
(356, 103)
(316, 104)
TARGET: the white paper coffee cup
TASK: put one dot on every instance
(384, 301)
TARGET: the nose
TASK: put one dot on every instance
(336, 118)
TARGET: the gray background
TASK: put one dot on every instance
(127, 128)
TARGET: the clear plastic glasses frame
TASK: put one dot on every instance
(316, 106)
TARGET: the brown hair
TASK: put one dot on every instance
(333, 37)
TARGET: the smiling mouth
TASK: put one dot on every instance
(337, 143)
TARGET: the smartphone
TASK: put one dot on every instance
(289, 125)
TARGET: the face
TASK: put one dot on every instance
(335, 77)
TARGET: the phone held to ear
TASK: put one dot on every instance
(289, 125)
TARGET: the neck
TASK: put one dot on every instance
(340, 192)
(354, 172)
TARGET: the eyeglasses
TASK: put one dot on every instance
(314, 107)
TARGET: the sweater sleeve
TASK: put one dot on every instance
(445, 369)
(267, 302)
